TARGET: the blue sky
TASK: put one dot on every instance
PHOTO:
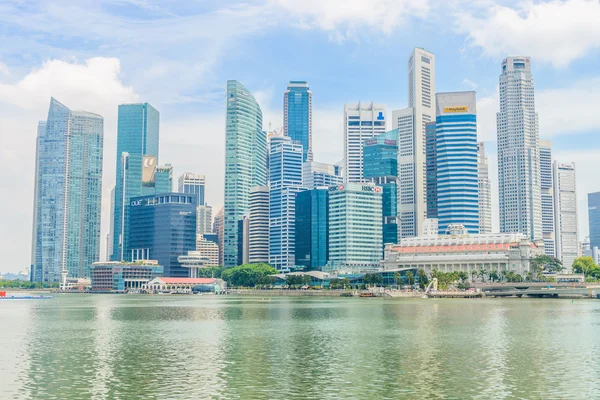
(178, 56)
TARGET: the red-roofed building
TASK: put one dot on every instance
(448, 253)
(182, 285)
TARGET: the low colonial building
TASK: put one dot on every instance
(461, 251)
(183, 285)
(116, 276)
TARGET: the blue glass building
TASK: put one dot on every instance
(297, 116)
(380, 166)
(192, 183)
(162, 227)
(457, 169)
(67, 194)
(312, 229)
(594, 218)
(245, 162)
(285, 181)
(431, 165)
(137, 158)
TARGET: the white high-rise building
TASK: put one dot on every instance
(410, 122)
(361, 121)
(258, 231)
(192, 183)
(547, 197)
(203, 219)
(316, 174)
(519, 189)
(565, 213)
(485, 191)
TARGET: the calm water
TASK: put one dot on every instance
(127, 347)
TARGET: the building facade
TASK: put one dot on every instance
(137, 157)
(380, 166)
(318, 174)
(457, 169)
(258, 241)
(285, 181)
(67, 194)
(312, 228)
(162, 227)
(116, 276)
(565, 213)
(194, 184)
(594, 219)
(297, 116)
(243, 240)
(485, 191)
(245, 162)
(355, 231)
(203, 219)
(431, 167)
(218, 225)
(519, 188)
(497, 252)
(411, 123)
(361, 122)
(547, 197)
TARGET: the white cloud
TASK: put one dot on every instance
(556, 32)
(92, 86)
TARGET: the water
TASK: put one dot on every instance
(158, 347)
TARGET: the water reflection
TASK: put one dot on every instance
(103, 347)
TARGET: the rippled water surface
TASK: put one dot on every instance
(158, 347)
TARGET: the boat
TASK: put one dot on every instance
(367, 294)
(13, 297)
(346, 294)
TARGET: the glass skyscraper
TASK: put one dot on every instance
(67, 194)
(297, 116)
(312, 228)
(192, 183)
(431, 151)
(547, 197)
(457, 168)
(137, 158)
(285, 181)
(380, 166)
(594, 218)
(162, 227)
(245, 162)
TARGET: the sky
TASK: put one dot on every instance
(177, 55)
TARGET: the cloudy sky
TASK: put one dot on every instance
(178, 55)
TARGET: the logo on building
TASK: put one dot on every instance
(458, 109)
(380, 117)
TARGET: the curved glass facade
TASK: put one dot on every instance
(245, 162)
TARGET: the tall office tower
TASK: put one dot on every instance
(204, 219)
(380, 166)
(485, 191)
(594, 218)
(258, 231)
(162, 227)
(431, 165)
(316, 174)
(137, 157)
(297, 116)
(67, 194)
(565, 213)
(518, 151)
(163, 180)
(547, 197)
(243, 235)
(111, 233)
(192, 183)
(245, 162)
(218, 229)
(457, 169)
(312, 228)
(355, 234)
(412, 138)
(361, 122)
(285, 181)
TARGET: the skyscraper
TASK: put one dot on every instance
(457, 169)
(565, 213)
(218, 229)
(380, 166)
(316, 174)
(411, 124)
(312, 228)
(297, 116)
(137, 158)
(285, 181)
(258, 230)
(485, 191)
(431, 175)
(547, 197)
(361, 122)
(67, 194)
(355, 236)
(204, 219)
(518, 151)
(192, 183)
(245, 162)
(594, 218)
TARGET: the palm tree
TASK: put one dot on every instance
(397, 277)
(409, 277)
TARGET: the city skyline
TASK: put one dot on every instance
(569, 138)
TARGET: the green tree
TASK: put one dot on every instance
(410, 278)
(423, 279)
(247, 275)
(397, 277)
(586, 266)
(474, 274)
(544, 263)
(335, 283)
(494, 276)
(346, 283)
(372, 279)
